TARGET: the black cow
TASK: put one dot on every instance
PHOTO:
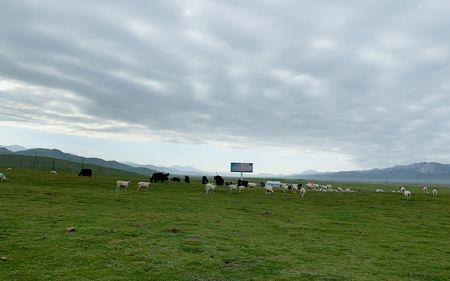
(187, 179)
(204, 180)
(85, 173)
(219, 180)
(162, 177)
(175, 179)
(241, 182)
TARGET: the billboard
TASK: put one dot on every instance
(242, 167)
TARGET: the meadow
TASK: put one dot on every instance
(174, 232)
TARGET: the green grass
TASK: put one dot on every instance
(174, 232)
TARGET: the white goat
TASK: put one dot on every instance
(143, 185)
(241, 188)
(302, 191)
(402, 190)
(425, 189)
(53, 173)
(209, 188)
(252, 184)
(2, 177)
(435, 192)
(232, 187)
(8, 169)
(123, 185)
(268, 189)
(407, 194)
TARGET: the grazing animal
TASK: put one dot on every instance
(293, 187)
(175, 179)
(302, 191)
(8, 169)
(219, 180)
(434, 192)
(209, 188)
(425, 189)
(2, 177)
(187, 179)
(227, 183)
(262, 184)
(268, 189)
(53, 173)
(143, 185)
(241, 182)
(402, 189)
(241, 188)
(204, 180)
(407, 194)
(284, 187)
(339, 189)
(123, 185)
(232, 187)
(85, 173)
(162, 177)
(252, 184)
(379, 190)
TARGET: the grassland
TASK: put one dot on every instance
(174, 232)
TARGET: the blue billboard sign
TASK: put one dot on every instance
(242, 167)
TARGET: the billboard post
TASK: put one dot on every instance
(241, 167)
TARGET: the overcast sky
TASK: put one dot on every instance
(289, 85)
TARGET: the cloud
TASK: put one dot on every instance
(365, 80)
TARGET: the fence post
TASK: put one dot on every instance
(34, 162)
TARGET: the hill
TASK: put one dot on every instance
(12, 160)
(13, 148)
(4, 150)
(424, 172)
(58, 154)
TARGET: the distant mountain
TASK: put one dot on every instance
(58, 154)
(176, 169)
(310, 172)
(424, 172)
(13, 148)
(4, 150)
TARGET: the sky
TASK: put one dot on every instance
(287, 85)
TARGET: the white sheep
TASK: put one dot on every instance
(339, 189)
(122, 185)
(143, 185)
(435, 192)
(8, 169)
(53, 173)
(379, 190)
(252, 184)
(425, 189)
(407, 194)
(268, 189)
(402, 189)
(2, 177)
(241, 188)
(232, 187)
(210, 188)
(302, 191)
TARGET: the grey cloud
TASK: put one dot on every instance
(369, 80)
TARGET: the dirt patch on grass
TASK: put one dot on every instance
(266, 213)
(174, 230)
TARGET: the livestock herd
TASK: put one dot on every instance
(269, 187)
